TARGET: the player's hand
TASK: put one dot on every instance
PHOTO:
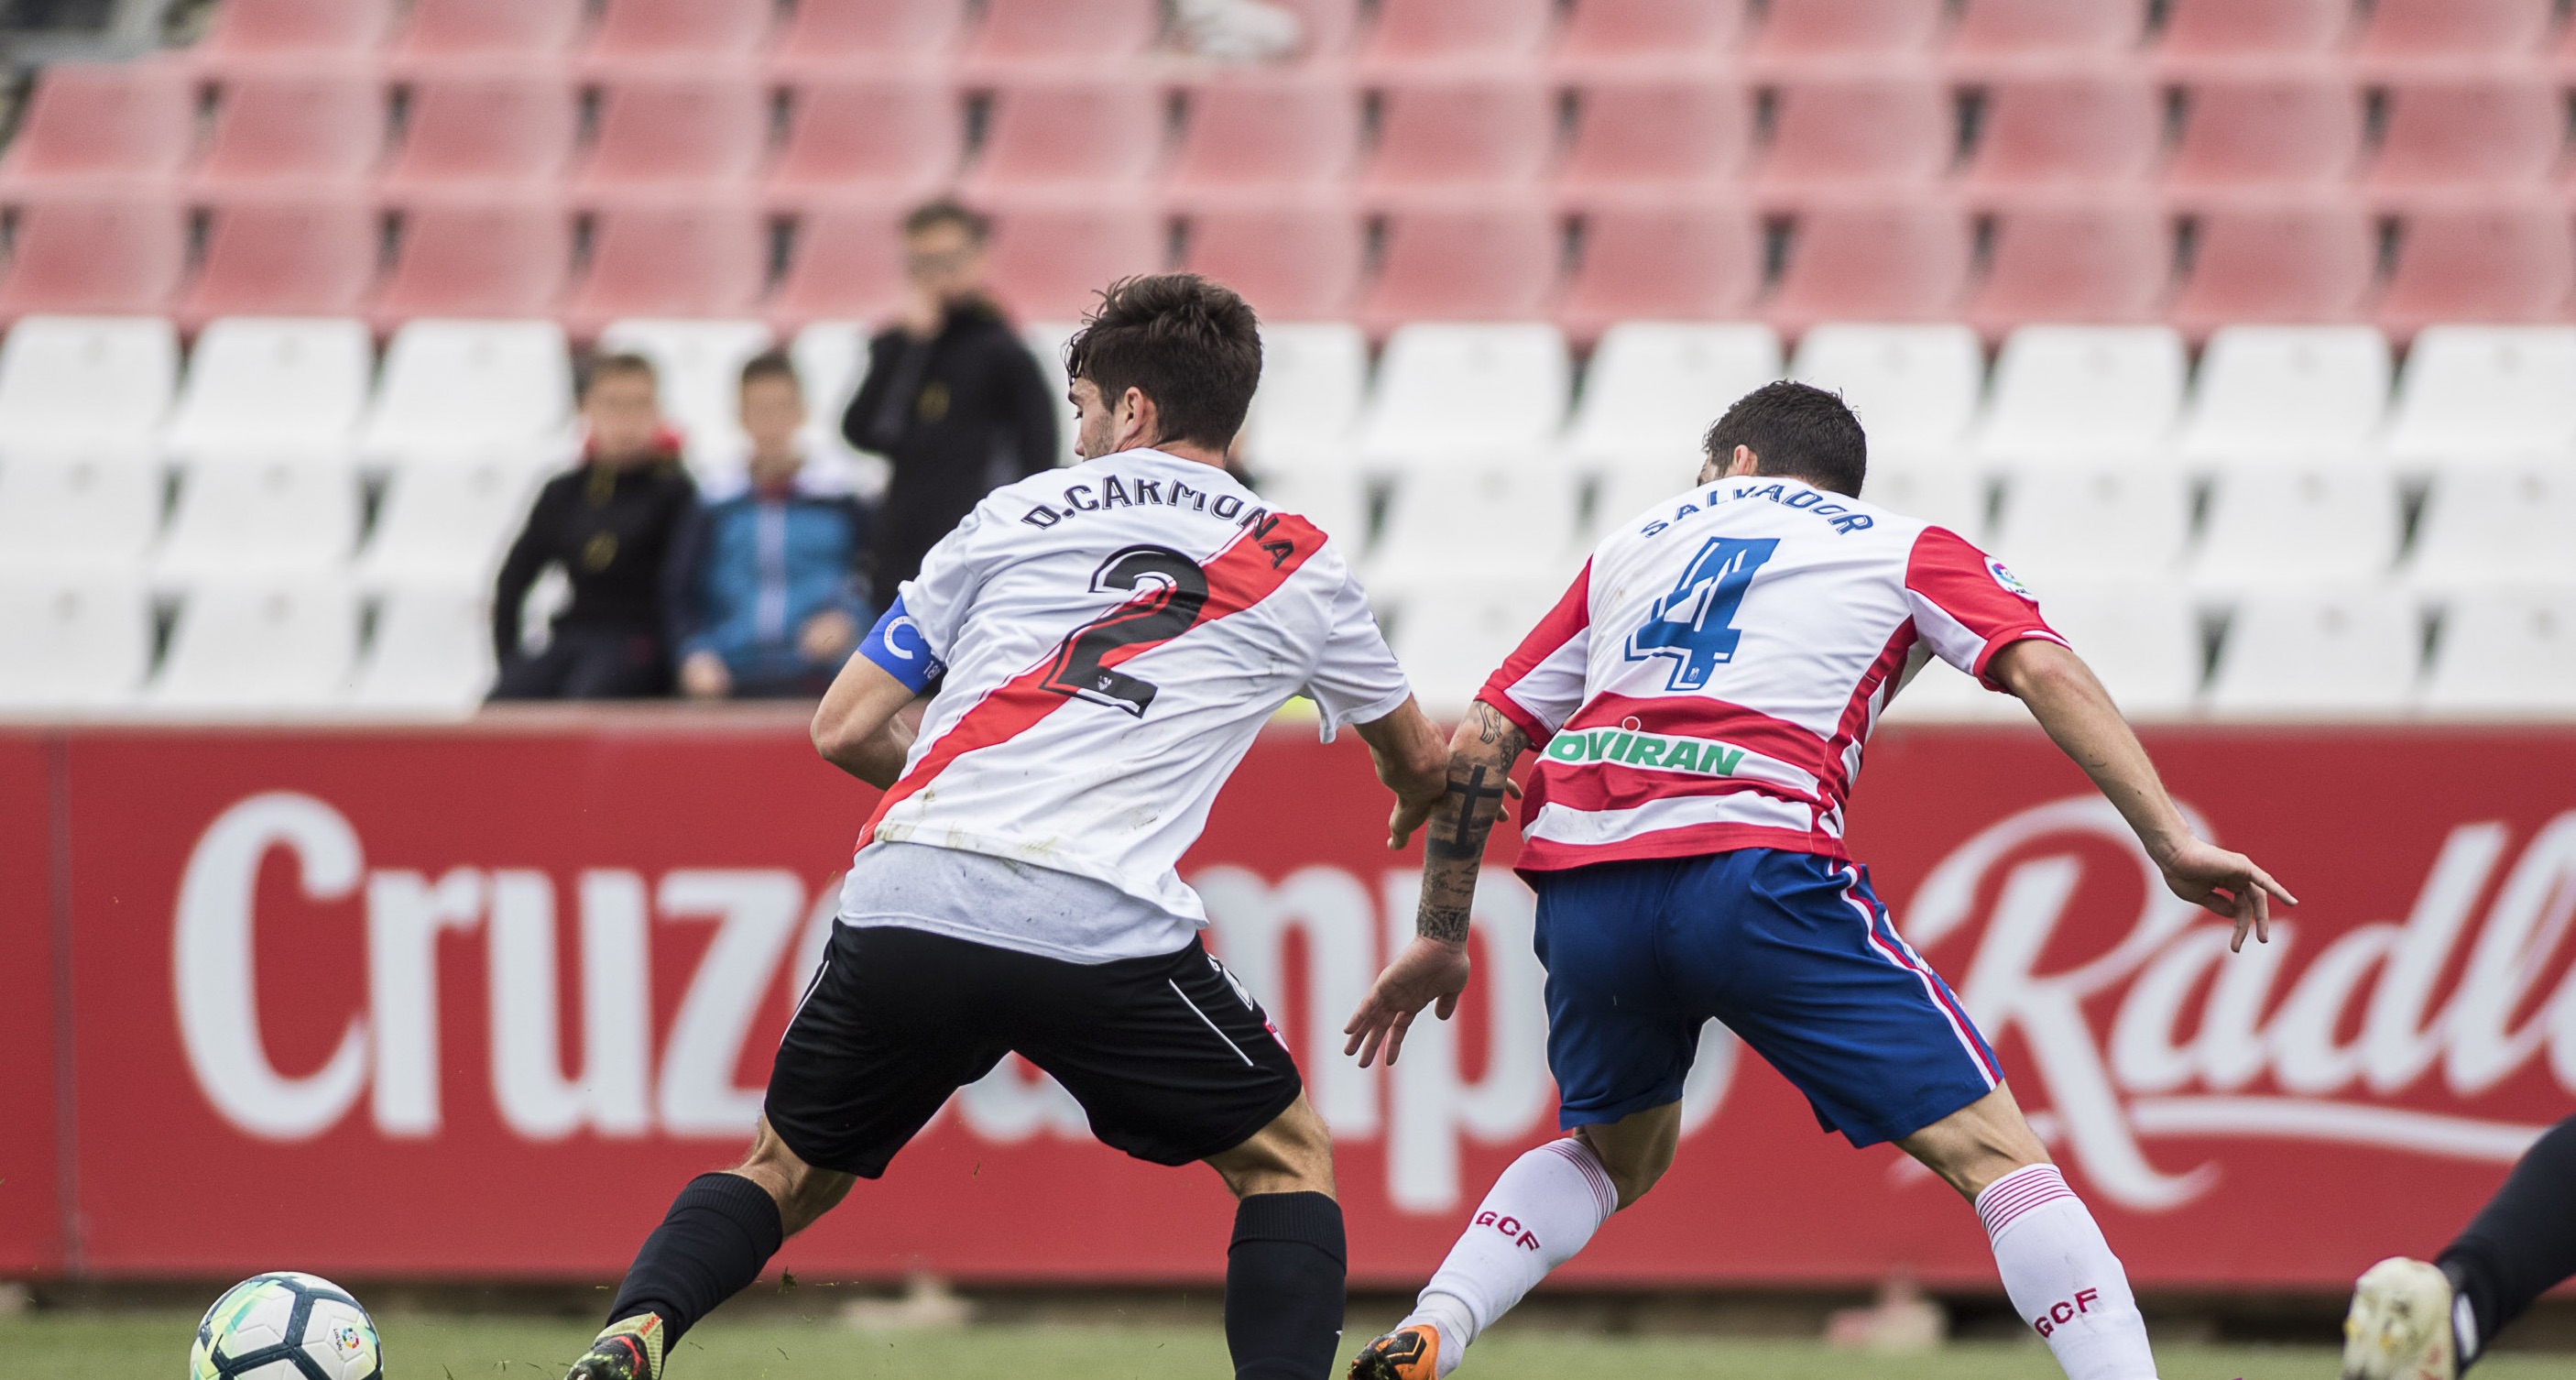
(1428, 971)
(1412, 811)
(2227, 884)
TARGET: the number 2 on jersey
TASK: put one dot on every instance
(1695, 624)
(1174, 592)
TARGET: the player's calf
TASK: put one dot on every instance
(1287, 1266)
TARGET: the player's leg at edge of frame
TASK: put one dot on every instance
(2056, 1266)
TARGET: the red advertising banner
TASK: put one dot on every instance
(474, 1001)
(30, 1191)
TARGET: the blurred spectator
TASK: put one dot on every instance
(766, 591)
(1238, 30)
(608, 522)
(952, 399)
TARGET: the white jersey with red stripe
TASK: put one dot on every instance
(1115, 635)
(1707, 682)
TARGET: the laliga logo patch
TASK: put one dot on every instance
(2011, 583)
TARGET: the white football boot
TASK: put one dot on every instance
(2400, 1324)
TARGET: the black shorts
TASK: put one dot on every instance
(1170, 1058)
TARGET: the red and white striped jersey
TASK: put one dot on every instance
(1707, 682)
(1115, 634)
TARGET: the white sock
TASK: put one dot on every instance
(2062, 1277)
(1538, 1214)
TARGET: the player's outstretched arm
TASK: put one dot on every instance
(2077, 712)
(1433, 968)
(861, 725)
(1411, 761)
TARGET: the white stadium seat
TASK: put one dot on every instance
(1456, 520)
(2314, 522)
(2084, 394)
(464, 387)
(2287, 392)
(1915, 388)
(2471, 391)
(1466, 392)
(2130, 522)
(699, 367)
(2142, 638)
(1627, 494)
(2319, 650)
(72, 380)
(72, 642)
(431, 652)
(252, 645)
(1314, 381)
(1046, 340)
(446, 523)
(1947, 493)
(1332, 498)
(95, 507)
(1940, 693)
(1653, 388)
(2506, 650)
(2497, 520)
(831, 360)
(1452, 635)
(261, 386)
(266, 516)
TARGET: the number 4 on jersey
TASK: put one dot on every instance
(1695, 624)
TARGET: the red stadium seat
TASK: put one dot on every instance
(832, 35)
(2198, 29)
(1413, 34)
(1862, 131)
(1657, 133)
(2481, 264)
(848, 264)
(2454, 130)
(1483, 263)
(1069, 34)
(300, 256)
(2305, 264)
(674, 130)
(874, 136)
(483, 31)
(1603, 37)
(96, 252)
(1462, 134)
(114, 121)
(683, 32)
(676, 258)
(1681, 261)
(1049, 262)
(2061, 130)
(2053, 29)
(307, 124)
(2093, 262)
(257, 29)
(2414, 29)
(1071, 134)
(482, 128)
(1893, 261)
(1812, 28)
(1297, 261)
(1263, 133)
(477, 258)
(2266, 132)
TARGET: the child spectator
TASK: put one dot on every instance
(608, 522)
(767, 591)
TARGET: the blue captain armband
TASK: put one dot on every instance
(895, 643)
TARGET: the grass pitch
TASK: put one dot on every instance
(154, 1346)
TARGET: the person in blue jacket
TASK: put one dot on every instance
(768, 592)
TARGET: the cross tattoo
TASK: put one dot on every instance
(1466, 842)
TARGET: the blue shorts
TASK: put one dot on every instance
(1792, 951)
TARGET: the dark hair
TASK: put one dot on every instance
(930, 215)
(1795, 431)
(620, 362)
(771, 364)
(1188, 343)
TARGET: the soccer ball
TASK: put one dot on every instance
(286, 1326)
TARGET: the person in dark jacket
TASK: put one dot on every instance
(608, 522)
(767, 596)
(952, 399)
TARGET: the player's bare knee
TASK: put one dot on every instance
(1293, 1154)
(1978, 1144)
(802, 1192)
(1635, 1150)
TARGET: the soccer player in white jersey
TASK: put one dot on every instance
(1700, 697)
(1112, 637)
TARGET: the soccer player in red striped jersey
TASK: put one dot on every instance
(1700, 698)
(1106, 641)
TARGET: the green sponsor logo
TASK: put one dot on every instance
(1656, 751)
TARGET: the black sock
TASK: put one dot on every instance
(1284, 1286)
(2522, 1243)
(712, 1244)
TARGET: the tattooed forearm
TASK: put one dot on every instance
(1445, 923)
(1480, 766)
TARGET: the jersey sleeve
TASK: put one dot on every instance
(937, 598)
(1356, 679)
(1541, 683)
(1967, 606)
